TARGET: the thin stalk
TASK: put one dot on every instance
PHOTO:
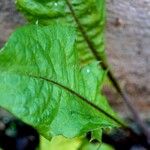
(111, 76)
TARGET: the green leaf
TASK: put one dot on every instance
(96, 135)
(103, 146)
(60, 143)
(86, 145)
(39, 76)
(91, 14)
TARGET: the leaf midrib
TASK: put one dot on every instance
(85, 100)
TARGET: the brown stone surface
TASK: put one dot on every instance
(128, 46)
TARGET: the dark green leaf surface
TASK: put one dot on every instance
(91, 14)
(35, 64)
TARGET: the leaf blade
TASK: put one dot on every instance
(35, 51)
(90, 13)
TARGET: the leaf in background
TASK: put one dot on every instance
(35, 65)
(90, 146)
(91, 14)
(96, 135)
(60, 143)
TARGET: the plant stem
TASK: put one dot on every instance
(112, 78)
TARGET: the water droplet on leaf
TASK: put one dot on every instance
(88, 70)
(55, 4)
(37, 22)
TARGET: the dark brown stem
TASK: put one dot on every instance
(114, 81)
